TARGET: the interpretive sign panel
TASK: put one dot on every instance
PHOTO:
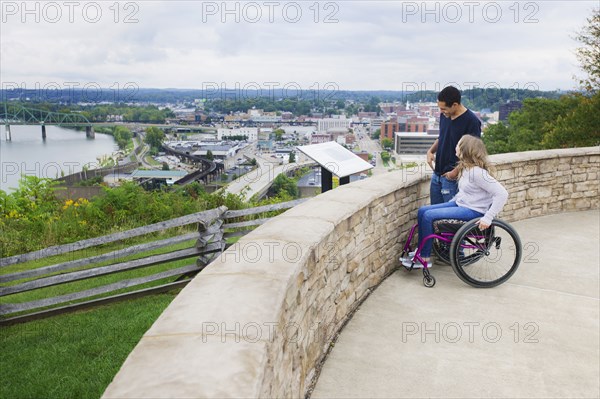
(335, 158)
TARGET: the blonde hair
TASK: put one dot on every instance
(472, 153)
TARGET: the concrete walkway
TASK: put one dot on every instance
(536, 336)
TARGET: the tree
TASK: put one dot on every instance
(292, 157)
(165, 166)
(578, 128)
(376, 134)
(495, 138)
(387, 143)
(528, 127)
(589, 55)
(282, 183)
(122, 136)
(373, 105)
(154, 137)
(385, 156)
(209, 155)
(279, 134)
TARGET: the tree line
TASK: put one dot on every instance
(571, 121)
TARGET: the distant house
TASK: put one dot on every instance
(508, 108)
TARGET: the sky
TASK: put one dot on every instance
(237, 45)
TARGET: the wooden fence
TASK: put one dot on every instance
(215, 228)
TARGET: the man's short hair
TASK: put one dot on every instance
(449, 95)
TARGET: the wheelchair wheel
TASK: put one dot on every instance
(442, 250)
(487, 258)
(447, 228)
(428, 279)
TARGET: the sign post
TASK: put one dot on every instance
(334, 160)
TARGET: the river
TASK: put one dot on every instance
(64, 151)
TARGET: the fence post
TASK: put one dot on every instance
(211, 232)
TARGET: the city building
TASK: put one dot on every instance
(376, 123)
(417, 124)
(408, 113)
(368, 115)
(250, 132)
(412, 124)
(287, 116)
(389, 128)
(320, 138)
(265, 145)
(325, 124)
(156, 178)
(394, 107)
(185, 114)
(409, 143)
(220, 153)
(338, 133)
(508, 108)
(255, 112)
(428, 109)
(364, 155)
(268, 117)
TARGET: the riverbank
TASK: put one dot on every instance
(64, 152)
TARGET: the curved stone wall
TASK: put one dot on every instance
(258, 321)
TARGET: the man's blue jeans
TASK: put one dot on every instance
(430, 213)
(442, 189)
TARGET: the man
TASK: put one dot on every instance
(455, 121)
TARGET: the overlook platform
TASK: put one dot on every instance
(260, 320)
(535, 336)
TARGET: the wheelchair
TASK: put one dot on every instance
(480, 258)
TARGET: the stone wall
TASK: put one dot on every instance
(258, 321)
(546, 182)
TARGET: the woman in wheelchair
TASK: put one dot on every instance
(479, 196)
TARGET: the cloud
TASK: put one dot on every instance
(356, 44)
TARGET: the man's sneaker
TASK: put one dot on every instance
(417, 265)
(408, 257)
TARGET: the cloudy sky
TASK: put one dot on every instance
(350, 45)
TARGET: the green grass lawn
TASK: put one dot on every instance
(77, 286)
(74, 355)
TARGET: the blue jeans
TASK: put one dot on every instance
(441, 189)
(430, 213)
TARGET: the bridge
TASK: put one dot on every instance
(209, 170)
(13, 114)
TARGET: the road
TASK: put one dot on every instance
(268, 168)
(141, 157)
(372, 147)
(257, 180)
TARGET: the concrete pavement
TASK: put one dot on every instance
(535, 336)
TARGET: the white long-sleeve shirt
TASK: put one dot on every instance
(479, 191)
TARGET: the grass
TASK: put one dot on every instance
(76, 286)
(74, 355)
(149, 159)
